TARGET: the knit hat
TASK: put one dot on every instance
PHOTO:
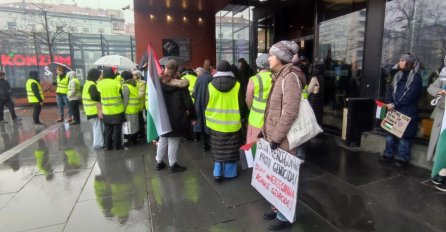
(284, 50)
(34, 74)
(93, 74)
(108, 72)
(408, 57)
(262, 61)
(127, 75)
(223, 66)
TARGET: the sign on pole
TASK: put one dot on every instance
(276, 177)
(395, 123)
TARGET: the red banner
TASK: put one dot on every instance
(30, 60)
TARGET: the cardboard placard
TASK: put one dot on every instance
(395, 123)
(276, 176)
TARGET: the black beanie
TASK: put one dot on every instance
(107, 72)
(223, 66)
(34, 74)
(127, 75)
(93, 74)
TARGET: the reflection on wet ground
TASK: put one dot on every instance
(59, 183)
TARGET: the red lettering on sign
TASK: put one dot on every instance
(282, 198)
(30, 60)
(19, 60)
(6, 60)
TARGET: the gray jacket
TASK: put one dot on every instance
(433, 89)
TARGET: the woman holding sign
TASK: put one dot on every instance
(402, 96)
(282, 107)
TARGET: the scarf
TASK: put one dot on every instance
(410, 77)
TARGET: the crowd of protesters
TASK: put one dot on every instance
(223, 107)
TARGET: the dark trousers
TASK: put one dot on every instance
(142, 125)
(112, 137)
(206, 140)
(74, 108)
(36, 112)
(8, 103)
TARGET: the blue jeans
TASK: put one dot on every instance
(394, 144)
(62, 101)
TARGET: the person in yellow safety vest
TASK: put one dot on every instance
(35, 96)
(118, 76)
(61, 84)
(74, 97)
(192, 78)
(223, 117)
(130, 94)
(112, 108)
(141, 84)
(90, 100)
(257, 94)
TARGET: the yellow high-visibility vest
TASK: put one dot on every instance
(142, 99)
(222, 111)
(90, 106)
(133, 104)
(262, 86)
(111, 100)
(192, 80)
(30, 93)
(62, 85)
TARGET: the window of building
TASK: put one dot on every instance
(418, 27)
(117, 26)
(341, 45)
(101, 30)
(85, 30)
(72, 29)
(59, 28)
(232, 33)
(11, 25)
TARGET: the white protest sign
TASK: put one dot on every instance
(276, 177)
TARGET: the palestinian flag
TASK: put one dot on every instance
(381, 110)
(157, 119)
(440, 151)
(247, 153)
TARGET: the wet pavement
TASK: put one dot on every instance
(55, 181)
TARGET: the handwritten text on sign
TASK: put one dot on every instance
(276, 176)
(395, 123)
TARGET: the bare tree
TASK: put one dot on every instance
(38, 25)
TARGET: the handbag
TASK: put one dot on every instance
(438, 101)
(305, 126)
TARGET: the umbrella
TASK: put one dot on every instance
(116, 60)
(53, 66)
(179, 60)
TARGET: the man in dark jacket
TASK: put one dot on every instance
(199, 94)
(402, 96)
(5, 99)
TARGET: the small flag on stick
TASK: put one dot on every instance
(247, 153)
(381, 110)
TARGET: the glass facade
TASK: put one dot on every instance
(233, 33)
(341, 46)
(20, 55)
(418, 27)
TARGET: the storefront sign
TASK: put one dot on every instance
(276, 177)
(395, 123)
(19, 60)
(177, 47)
